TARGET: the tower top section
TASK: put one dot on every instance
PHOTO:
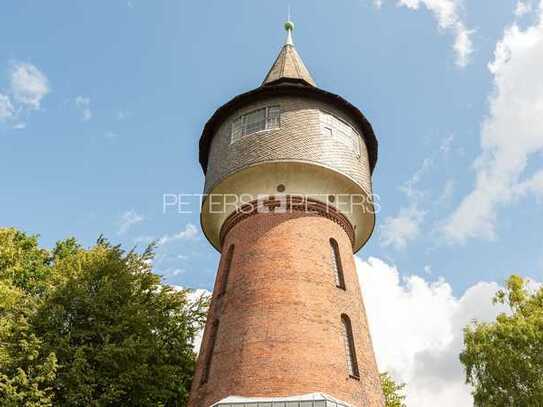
(288, 65)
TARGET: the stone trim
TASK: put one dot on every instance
(287, 204)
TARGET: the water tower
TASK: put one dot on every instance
(289, 200)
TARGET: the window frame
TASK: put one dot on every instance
(329, 125)
(337, 265)
(350, 348)
(238, 125)
(225, 271)
(210, 351)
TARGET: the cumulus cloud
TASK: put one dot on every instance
(511, 135)
(448, 16)
(83, 105)
(397, 231)
(27, 87)
(417, 330)
(129, 219)
(189, 233)
(522, 8)
(28, 84)
(7, 110)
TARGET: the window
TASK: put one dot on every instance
(209, 351)
(338, 130)
(337, 268)
(266, 118)
(227, 262)
(350, 352)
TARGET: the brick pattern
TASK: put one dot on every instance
(299, 138)
(280, 329)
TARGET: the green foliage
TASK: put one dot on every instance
(22, 263)
(394, 396)
(504, 359)
(26, 371)
(91, 327)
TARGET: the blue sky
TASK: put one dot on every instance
(102, 104)
(151, 73)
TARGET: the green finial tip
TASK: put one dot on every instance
(289, 26)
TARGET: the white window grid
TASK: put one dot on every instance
(265, 118)
(340, 131)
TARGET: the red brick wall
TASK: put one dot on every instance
(280, 316)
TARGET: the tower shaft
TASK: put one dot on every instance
(276, 326)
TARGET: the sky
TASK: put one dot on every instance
(102, 104)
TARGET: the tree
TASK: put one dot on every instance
(27, 372)
(91, 327)
(394, 396)
(504, 359)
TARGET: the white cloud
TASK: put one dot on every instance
(7, 110)
(511, 135)
(397, 231)
(448, 16)
(129, 219)
(189, 233)
(417, 330)
(83, 105)
(463, 46)
(28, 85)
(522, 8)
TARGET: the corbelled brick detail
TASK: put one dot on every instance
(280, 316)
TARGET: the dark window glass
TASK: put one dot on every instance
(209, 351)
(350, 351)
(227, 263)
(337, 267)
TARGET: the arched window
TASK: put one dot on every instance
(350, 351)
(209, 351)
(337, 267)
(227, 262)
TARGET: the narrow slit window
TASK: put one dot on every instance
(209, 351)
(337, 267)
(350, 351)
(226, 270)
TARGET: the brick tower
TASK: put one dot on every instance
(288, 181)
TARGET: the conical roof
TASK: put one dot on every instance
(288, 64)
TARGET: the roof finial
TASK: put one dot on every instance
(289, 26)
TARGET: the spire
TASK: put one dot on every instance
(288, 64)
